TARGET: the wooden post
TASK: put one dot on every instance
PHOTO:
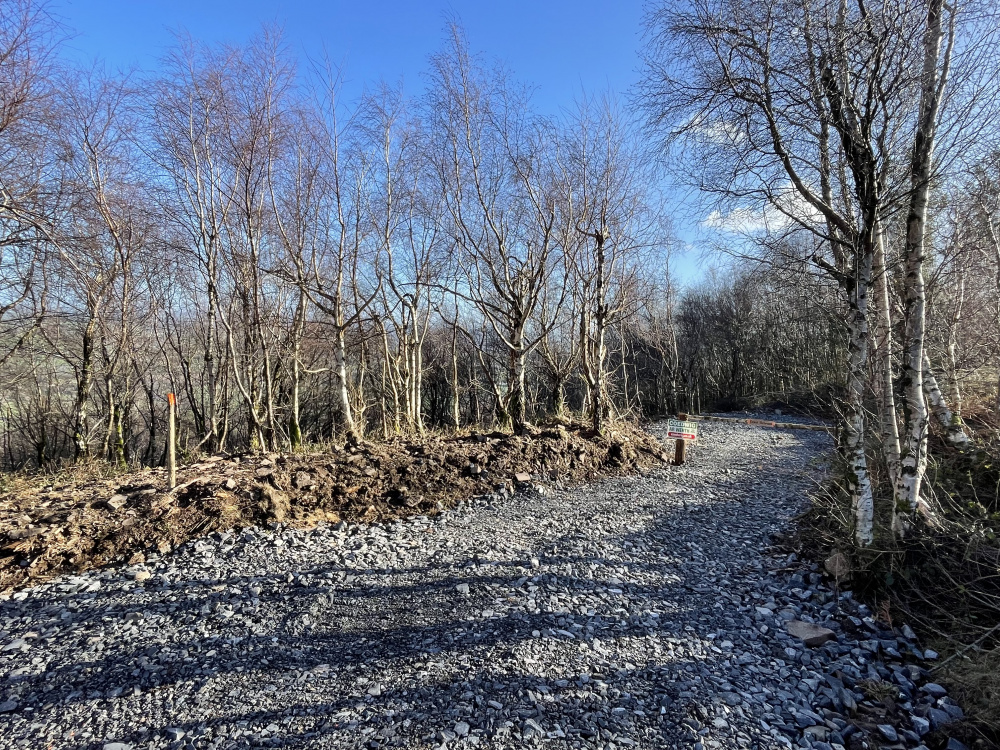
(679, 445)
(172, 440)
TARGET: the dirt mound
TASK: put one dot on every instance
(84, 522)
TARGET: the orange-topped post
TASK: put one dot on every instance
(171, 440)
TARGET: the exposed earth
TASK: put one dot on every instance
(645, 611)
(76, 520)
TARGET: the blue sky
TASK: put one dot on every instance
(560, 47)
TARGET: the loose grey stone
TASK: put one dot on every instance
(810, 634)
(920, 725)
(889, 732)
(632, 612)
(934, 690)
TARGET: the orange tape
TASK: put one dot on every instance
(171, 399)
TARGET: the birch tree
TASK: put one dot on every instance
(500, 192)
(31, 196)
(608, 210)
(185, 131)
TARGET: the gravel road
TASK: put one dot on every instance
(637, 612)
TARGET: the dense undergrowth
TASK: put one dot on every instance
(943, 579)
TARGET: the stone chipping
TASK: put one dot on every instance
(639, 612)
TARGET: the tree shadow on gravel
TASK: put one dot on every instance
(368, 664)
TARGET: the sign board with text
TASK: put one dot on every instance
(682, 429)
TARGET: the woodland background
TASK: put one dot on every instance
(300, 268)
(297, 267)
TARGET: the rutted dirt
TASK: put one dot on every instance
(51, 525)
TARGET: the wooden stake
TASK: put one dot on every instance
(679, 452)
(172, 440)
(680, 445)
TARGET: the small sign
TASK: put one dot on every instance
(682, 430)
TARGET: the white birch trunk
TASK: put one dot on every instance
(950, 422)
(343, 396)
(913, 461)
(859, 481)
(883, 344)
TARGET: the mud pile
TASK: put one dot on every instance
(50, 525)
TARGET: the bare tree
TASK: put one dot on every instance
(500, 190)
(31, 194)
(185, 113)
(825, 114)
(608, 208)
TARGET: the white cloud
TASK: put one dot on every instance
(794, 210)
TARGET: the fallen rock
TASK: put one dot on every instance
(19, 534)
(818, 733)
(920, 725)
(838, 565)
(522, 478)
(117, 502)
(810, 634)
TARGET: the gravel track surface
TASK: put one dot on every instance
(636, 612)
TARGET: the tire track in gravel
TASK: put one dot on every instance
(617, 614)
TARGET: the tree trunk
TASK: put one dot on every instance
(599, 404)
(418, 384)
(121, 458)
(456, 416)
(956, 389)
(294, 424)
(913, 462)
(558, 394)
(343, 396)
(81, 429)
(518, 396)
(889, 425)
(213, 430)
(950, 422)
(859, 482)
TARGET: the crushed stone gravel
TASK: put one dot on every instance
(639, 612)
